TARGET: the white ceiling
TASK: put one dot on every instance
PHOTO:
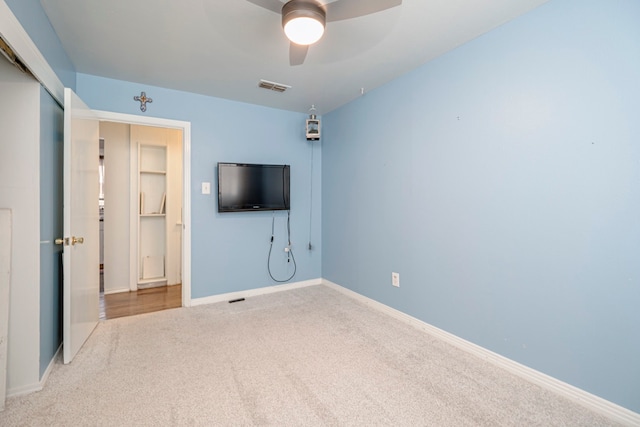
(222, 48)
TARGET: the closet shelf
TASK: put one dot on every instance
(152, 217)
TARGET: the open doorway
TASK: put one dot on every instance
(141, 219)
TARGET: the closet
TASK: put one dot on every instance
(31, 154)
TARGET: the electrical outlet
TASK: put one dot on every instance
(395, 279)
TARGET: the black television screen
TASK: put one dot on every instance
(251, 187)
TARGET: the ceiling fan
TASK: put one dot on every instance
(304, 20)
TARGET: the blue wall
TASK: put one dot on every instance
(502, 181)
(35, 22)
(51, 196)
(229, 251)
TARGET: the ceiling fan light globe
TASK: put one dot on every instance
(304, 30)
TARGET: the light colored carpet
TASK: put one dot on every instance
(309, 356)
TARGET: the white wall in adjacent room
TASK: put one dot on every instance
(117, 187)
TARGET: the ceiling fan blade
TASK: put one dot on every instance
(347, 9)
(272, 5)
(297, 53)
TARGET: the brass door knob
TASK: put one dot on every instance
(59, 241)
(79, 240)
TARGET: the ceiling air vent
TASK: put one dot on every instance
(276, 87)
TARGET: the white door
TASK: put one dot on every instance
(80, 258)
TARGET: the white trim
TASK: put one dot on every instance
(132, 119)
(117, 291)
(47, 371)
(186, 216)
(254, 292)
(25, 389)
(597, 404)
(32, 388)
(22, 45)
(5, 284)
(134, 232)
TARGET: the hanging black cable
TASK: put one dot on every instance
(290, 255)
(310, 198)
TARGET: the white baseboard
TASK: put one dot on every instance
(47, 371)
(32, 388)
(254, 292)
(25, 389)
(594, 403)
(116, 291)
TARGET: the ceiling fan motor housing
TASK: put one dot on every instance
(303, 9)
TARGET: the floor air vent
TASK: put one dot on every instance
(276, 87)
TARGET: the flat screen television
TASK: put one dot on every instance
(252, 187)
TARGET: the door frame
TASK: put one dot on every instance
(17, 38)
(185, 127)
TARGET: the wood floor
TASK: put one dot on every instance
(142, 301)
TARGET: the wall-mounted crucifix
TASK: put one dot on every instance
(143, 101)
